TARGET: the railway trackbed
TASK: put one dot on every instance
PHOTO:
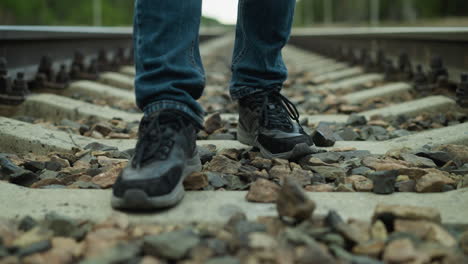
(387, 110)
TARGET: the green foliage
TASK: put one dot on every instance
(312, 11)
(69, 12)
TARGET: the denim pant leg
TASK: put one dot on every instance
(169, 71)
(263, 29)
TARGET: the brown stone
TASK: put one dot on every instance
(108, 178)
(371, 248)
(320, 188)
(222, 164)
(378, 231)
(213, 122)
(114, 135)
(406, 186)
(103, 128)
(378, 123)
(63, 162)
(231, 153)
(434, 181)
(343, 149)
(360, 183)
(426, 230)
(279, 172)
(407, 212)
(302, 177)
(293, 203)
(45, 182)
(108, 162)
(399, 251)
(344, 188)
(263, 191)
(196, 181)
(464, 242)
(458, 152)
(283, 162)
(261, 163)
(412, 173)
(384, 164)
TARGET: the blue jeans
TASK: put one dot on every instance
(169, 70)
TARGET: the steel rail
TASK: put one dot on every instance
(420, 44)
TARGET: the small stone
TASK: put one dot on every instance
(380, 123)
(33, 248)
(440, 158)
(323, 136)
(263, 191)
(389, 213)
(108, 162)
(330, 173)
(281, 162)
(360, 183)
(27, 223)
(379, 231)
(261, 163)
(303, 177)
(172, 245)
(216, 179)
(434, 181)
(426, 230)
(221, 136)
(64, 227)
(458, 153)
(320, 188)
(371, 248)
(222, 164)
(356, 120)
(406, 186)
(37, 234)
(464, 242)
(108, 178)
(114, 135)
(80, 184)
(230, 153)
(103, 128)
(328, 157)
(45, 182)
(399, 251)
(417, 161)
(196, 181)
(344, 188)
(384, 181)
(206, 153)
(213, 122)
(349, 232)
(34, 166)
(383, 164)
(293, 203)
(223, 260)
(278, 172)
(263, 241)
(48, 174)
(361, 171)
(63, 162)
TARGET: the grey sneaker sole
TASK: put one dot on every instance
(136, 199)
(246, 138)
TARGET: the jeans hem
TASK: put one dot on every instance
(175, 105)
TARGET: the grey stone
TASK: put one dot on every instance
(121, 253)
(399, 133)
(65, 227)
(333, 239)
(417, 161)
(48, 174)
(361, 170)
(33, 248)
(54, 186)
(356, 120)
(330, 173)
(27, 223)
(439, 157)
(234, 182)
(328, 157)
(384, 181)
(34, 166)
(348, 134)
(355, 154)
(96, 146)
(171, 245)
(323, 136)
(216, 179)
(406, 186)
(84, 185)
(223, 260)
(206, 154)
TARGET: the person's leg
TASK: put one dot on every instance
(263, 28)
(169, 80)
(267, 119)
(169, 72)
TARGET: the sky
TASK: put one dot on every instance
(223, 10)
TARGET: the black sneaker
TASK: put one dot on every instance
(164, 155)
(270, 122)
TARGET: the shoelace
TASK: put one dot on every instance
(146, 149)
(275, 117)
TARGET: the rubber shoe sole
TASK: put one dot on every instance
(136, 199)
(299, 150)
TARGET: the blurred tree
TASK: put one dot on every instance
(358, 11)
(66, 12)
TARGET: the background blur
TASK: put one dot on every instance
(308, 13)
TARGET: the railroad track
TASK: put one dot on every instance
(372, 102)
